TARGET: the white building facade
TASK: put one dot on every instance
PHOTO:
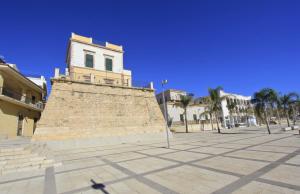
(79, 51)
(175, 112)
(241, 114)
(90, 61)
(39, 80)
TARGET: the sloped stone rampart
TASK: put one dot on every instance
(77, 110)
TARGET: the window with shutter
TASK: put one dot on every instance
(89, 60)
(108, 64)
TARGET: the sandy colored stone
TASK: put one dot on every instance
(81, 110)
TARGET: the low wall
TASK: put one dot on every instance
(191, 127)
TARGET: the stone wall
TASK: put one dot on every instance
(77, 110)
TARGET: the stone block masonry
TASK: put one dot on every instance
(84, 111)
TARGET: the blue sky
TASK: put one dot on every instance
(242, 45)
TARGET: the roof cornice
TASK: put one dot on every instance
(6, 67)
(96, 45)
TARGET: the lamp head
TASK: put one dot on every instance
(164, 81)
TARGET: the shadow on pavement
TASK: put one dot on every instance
(99, 186)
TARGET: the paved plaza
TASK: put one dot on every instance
(245, 160)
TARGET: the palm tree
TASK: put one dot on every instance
(295, 102)
(258, 114)
(185, 101)
(262, 101)
(231, 107)
(275, 103)
(287, 101)
(279, 108)
(216, 100)
(248, 111)
(208, 111)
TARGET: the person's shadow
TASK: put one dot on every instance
(99, 186)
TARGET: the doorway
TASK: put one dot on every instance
(20, 125)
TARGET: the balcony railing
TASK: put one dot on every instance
(100, 79)
(109, 79)
(22, 98)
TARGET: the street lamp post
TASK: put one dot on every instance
(164, 82)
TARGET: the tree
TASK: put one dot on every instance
(262, 100)
(231, 107)
(258, 114)
(248, 111)
(216, 101)
(275, 103)
(208, 111)
(287, 101)
(185, 101)
(297, 104)
(296, 100)
(279, 108)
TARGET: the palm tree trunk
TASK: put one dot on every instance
(231, 118)
(219, 131)
(278, 117)
(294, 115)
(267, 122)
(186, 124)
(287, 118)
(269, 115)
(211, 122)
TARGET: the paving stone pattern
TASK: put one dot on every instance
(238, 161)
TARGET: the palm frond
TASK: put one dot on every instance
(185, 100)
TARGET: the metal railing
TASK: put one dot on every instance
(22, 98)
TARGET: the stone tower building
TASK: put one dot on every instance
(95, 101)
